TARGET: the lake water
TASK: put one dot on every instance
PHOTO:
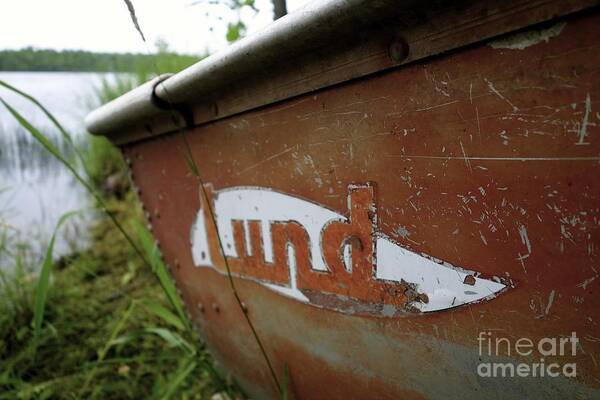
(35, 189)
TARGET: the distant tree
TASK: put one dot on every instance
(30, 59)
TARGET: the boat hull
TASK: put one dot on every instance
(484, 160)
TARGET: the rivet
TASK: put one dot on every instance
(398, 50)
(176, 263)
(201, 307)
(244, 308)
(156, 213)
(215, 307)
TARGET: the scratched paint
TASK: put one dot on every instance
(535, 199)
(523, 40)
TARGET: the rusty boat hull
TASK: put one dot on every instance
(475, 170)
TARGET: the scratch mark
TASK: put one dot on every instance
(521, 258)
(266, 160)
(566, 234)
(465, 157)
(437, 106)
(471, 92)
(550, 301)
(584, 123)
(497, 93)
(281, 108)
(413, 206)
(482, 238)
(524, 238)
(585, 283)
(345, 106)
(478, 124)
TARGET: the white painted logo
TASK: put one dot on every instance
(315, 255)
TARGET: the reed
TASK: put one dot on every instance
(166, 321)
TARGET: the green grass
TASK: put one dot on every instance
(105, 322)
(108, 331)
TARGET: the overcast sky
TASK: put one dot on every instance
(105, 25)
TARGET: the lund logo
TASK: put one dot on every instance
(316, 255)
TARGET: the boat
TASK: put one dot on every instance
(384, 199)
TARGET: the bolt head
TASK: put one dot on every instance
(398, 50)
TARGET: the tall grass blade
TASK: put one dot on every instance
(285, 383)
(109, 343)
(191, 164)
(41, 291)
(179, 378)
(161, 272)
(51, 117)
(165, 315)
(172, 338)
(36, 134)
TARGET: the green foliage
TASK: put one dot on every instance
(90, 338)
(159, 269)
(93, 321)
(43, 282)
(31, 59)
(235, 31)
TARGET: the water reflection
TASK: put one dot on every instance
(35, 189)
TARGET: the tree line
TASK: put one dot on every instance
(31, 59)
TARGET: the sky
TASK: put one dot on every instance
(105, 25)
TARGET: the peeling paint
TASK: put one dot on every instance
(280, 220)
(523, 40)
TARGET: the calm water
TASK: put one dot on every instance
(35, 189)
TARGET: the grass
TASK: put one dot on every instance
(105, 322)
(108, 330)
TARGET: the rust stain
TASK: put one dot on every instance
(497, 157)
